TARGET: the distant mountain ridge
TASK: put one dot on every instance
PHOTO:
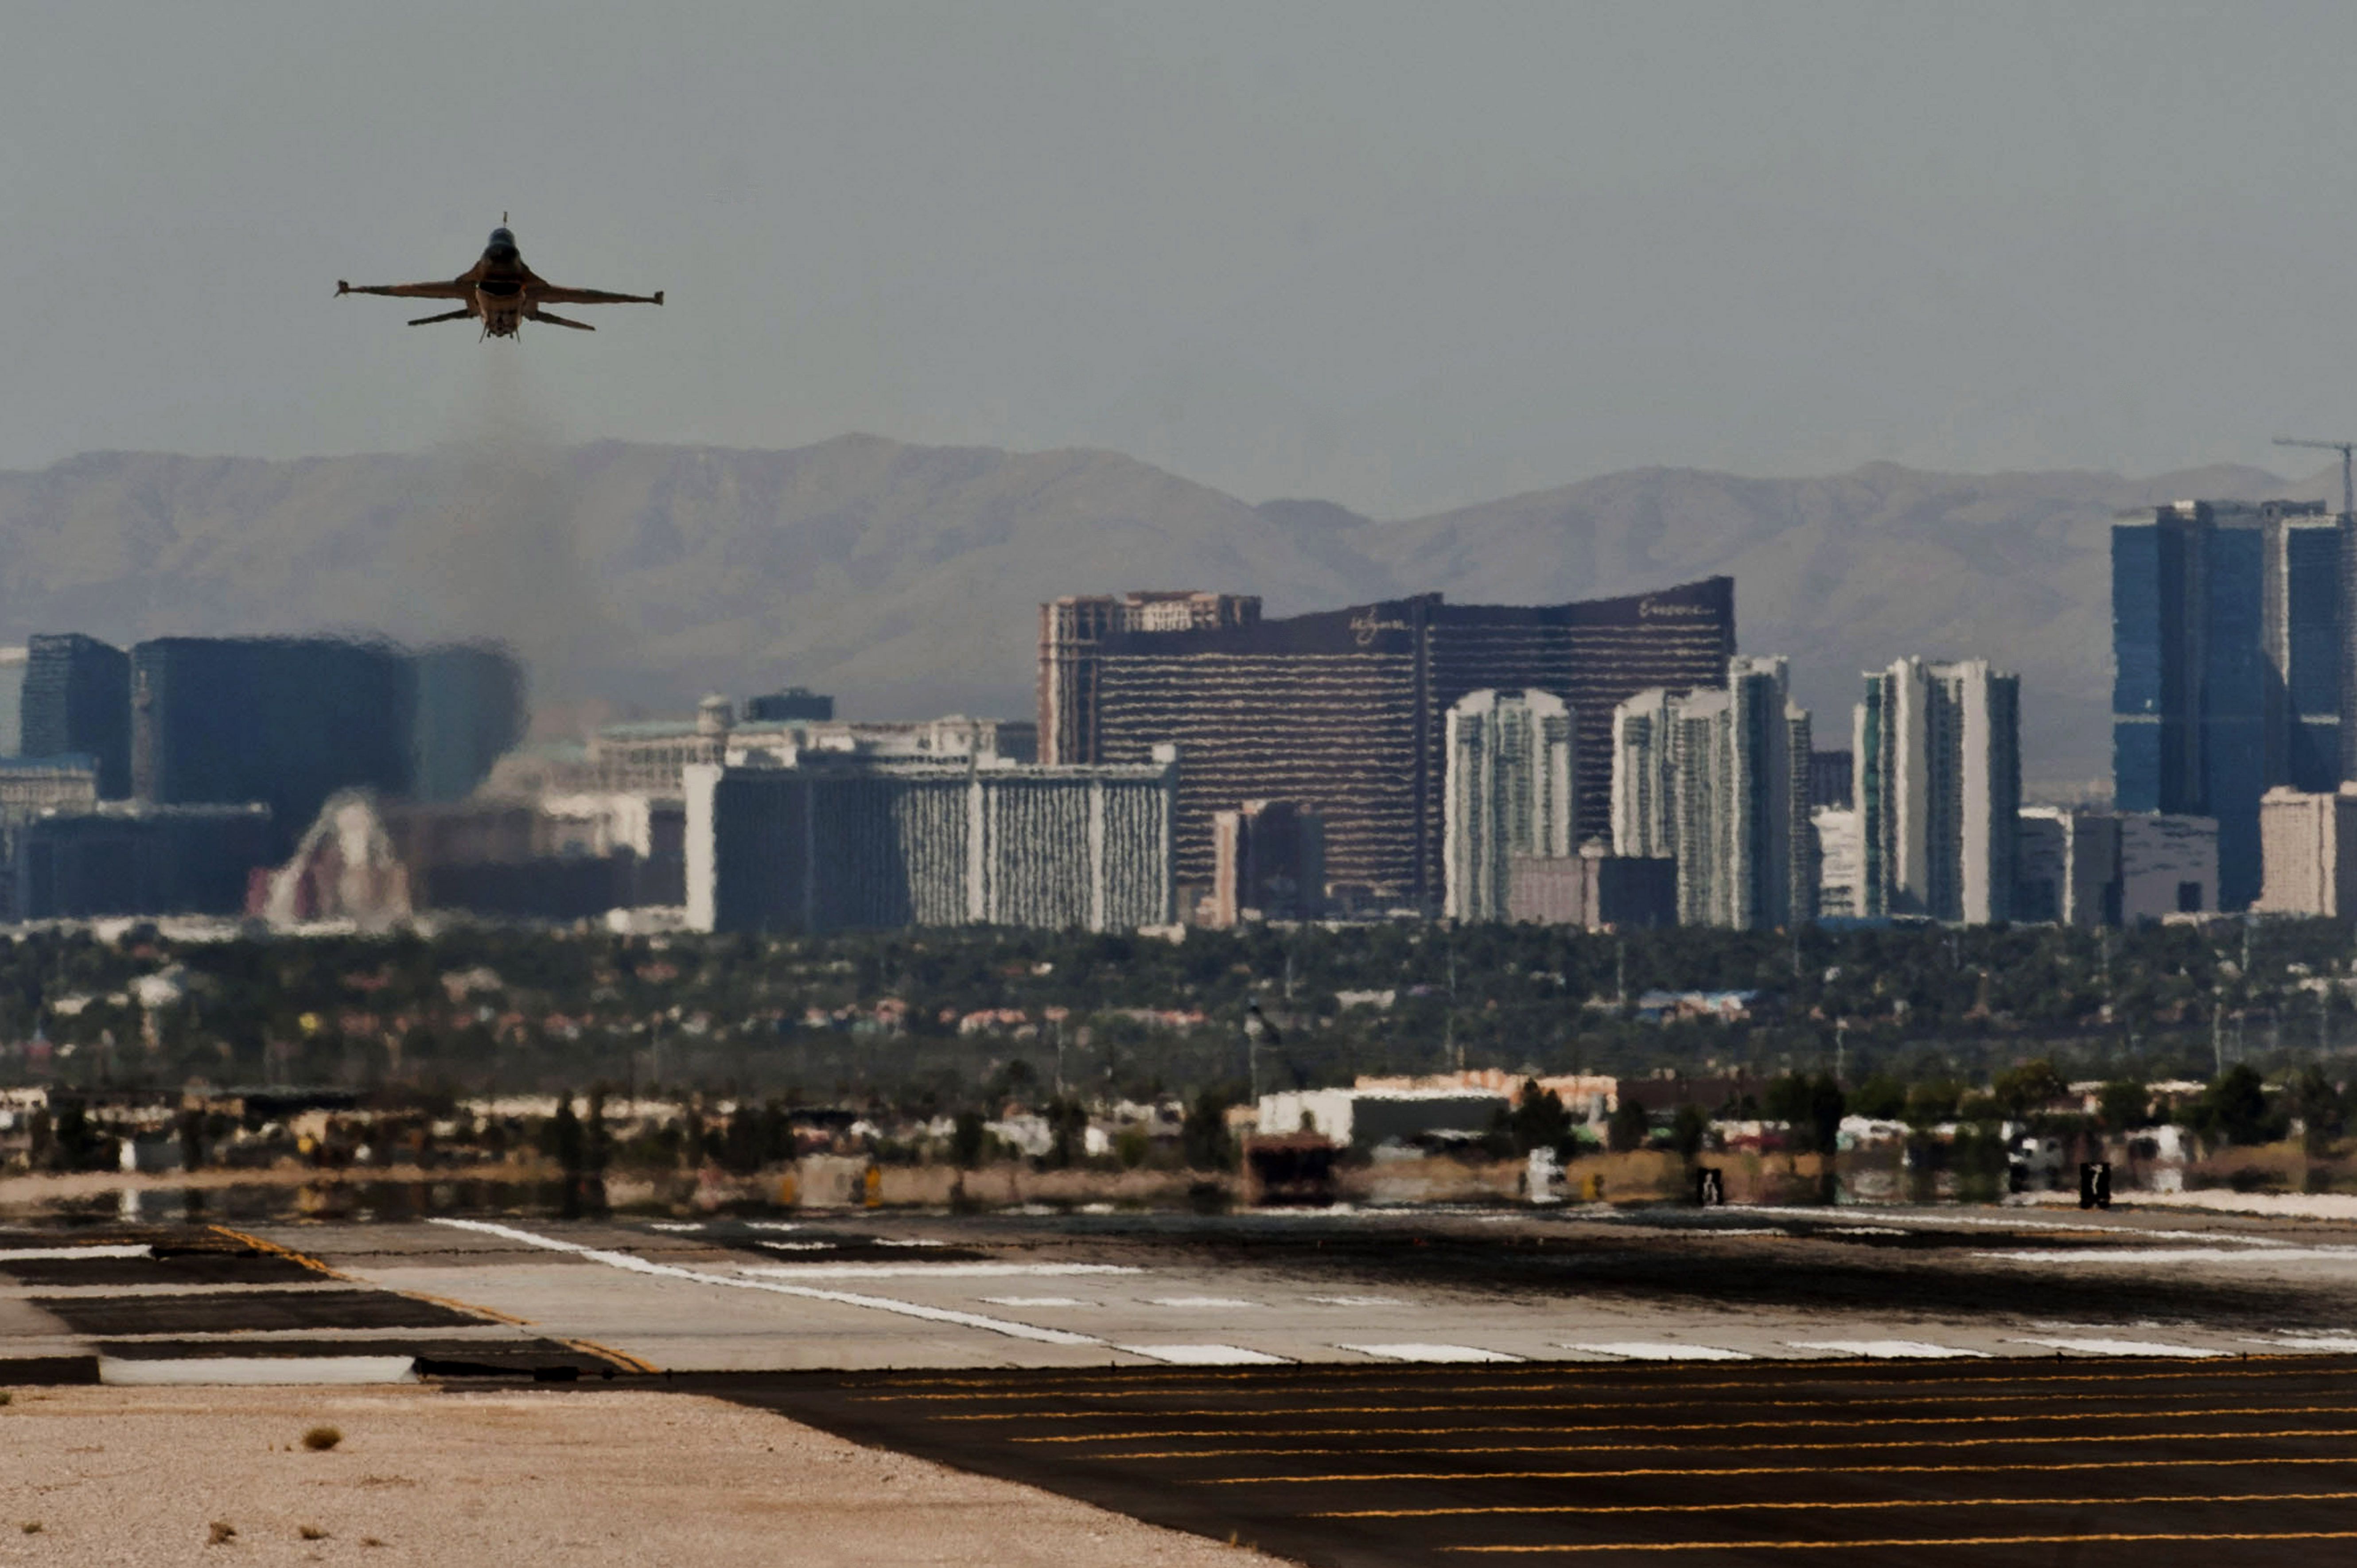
(906, 579)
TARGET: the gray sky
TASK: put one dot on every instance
(1398, 256)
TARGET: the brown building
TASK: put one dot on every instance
(1268, 863)
(1071, 631)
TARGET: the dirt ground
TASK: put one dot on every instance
(139, 1475)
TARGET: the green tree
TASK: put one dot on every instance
(2322, 1109)
(1882, 1097)
(966, 1135)
(1203, 1135)
(2027, 1086)
(1930, 1103)
(1630, 1126)
(2126, 1105)
(1539, 1120)
(2233, 1110)
(1688, 1129)
(1812, 1105)
(1068, 1130)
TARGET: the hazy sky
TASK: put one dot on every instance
(1399, 256)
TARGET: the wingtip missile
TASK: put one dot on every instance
(658, 293)
(343, 287)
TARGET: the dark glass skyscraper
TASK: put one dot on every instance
(2230, 640)
(78, 703)
(284, 721)
(470, 711)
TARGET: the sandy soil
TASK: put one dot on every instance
(132, 1475)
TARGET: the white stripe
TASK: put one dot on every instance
(1643, 1351)
(2312, 1344)
(925, 1271)
(1438, 1353)
(2100, 1255)
(2121, 1347)
(1884, 1349)
(185, 1371)
(846, 1298)
(1195, 1301)
(1204, 1355)
(46, 1254)
(1941, 1222)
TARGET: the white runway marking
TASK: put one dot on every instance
(771, 1225)
(675, 1225)
(1444, 1354)
(46, 1254)
(1355, 1300)
(1036, 1301)
(1645, 1350)
(1195, 1301)
(1870, 1231)
(846, 1298)
(2274, 1253)
(1205, 1354)
(2313, 1344)
(243, 1370)
(2123, 1347)
(1939, 1221)
(797, 1246)
(1884, 1349)
(882, 1242)
(927, 1271)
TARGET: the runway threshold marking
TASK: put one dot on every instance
(1585, 1510)
(1920, 1543)
(625, 1260)
(1716, 1425)
(1880, 1442)
(1713, 1473)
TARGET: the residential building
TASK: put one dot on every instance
(1939, 790)
(1718, 782)
(1832, 779)
(1508, 792)
(2067, 867)
(1595, 890)
(2169, 865)
(831, 841)
(1344, 711)
(1840, 861)
(2309, 839)
(2232, 630)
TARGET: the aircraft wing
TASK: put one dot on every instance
(456, 288)
(549, 293)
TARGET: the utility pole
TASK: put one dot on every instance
(2348, 480)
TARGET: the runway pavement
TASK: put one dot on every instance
(1762, 1385)
(2221, 1462)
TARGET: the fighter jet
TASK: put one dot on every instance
(501, 292)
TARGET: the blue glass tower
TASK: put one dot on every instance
(2230, 626)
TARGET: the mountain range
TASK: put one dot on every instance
(906, 579)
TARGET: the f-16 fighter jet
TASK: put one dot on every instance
(501, 292)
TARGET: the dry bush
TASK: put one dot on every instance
(319, 1439)
(222, 1530)
(311, 1532)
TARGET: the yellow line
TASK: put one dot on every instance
(2222, 1368)
(622, 1358)
(1690, 1473)
(274, 1250)
(1585, 1510)
(1780, 1426)
(1750, 1447)
(1903, 1545)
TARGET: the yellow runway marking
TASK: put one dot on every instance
(1750, 1447)
(275, 1251)
(259, 1244)
(1690, 1473)
(1714, 1425)
(1584, 1509)
(1904, 1545)
(2221, 1369)
(622, 1358)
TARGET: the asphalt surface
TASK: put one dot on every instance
(2023, 1463)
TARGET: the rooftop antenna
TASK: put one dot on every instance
(2348, 485)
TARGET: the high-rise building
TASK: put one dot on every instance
(1073, 630)
(1268, 863)
(833, 841)
(1594, 889)
(78, 703)
(284, 721)
(2067, 867)
(795, 702)
(1343, 712)
(2168, 866)
(13, 665)
(1939, 790)
(2309, 841)
(136, 859)
(471, 712)
(1508, 787)
(1840, 861)
(1719, 780)
(1832, 779)
(2231, 638)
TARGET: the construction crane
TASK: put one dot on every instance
(2348, 486)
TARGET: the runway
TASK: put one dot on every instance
(2020, 1463)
